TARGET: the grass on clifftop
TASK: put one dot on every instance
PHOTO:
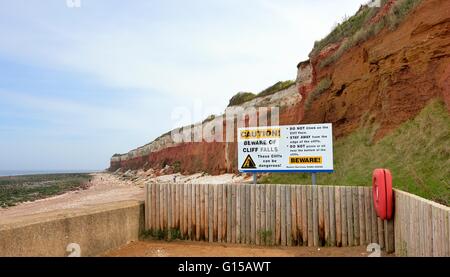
(18, 189)
(361, 32)
(347, 28)
(243, 97)
(417, 153)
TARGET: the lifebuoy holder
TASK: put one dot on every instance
(383, 201)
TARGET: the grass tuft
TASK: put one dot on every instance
(321, 87)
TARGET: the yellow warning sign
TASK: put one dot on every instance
(305, 160)
(260, 133)
(248, 163)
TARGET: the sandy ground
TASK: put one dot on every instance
(104, 188)
(107, 188)
(205, 249)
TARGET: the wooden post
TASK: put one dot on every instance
(197, 212)
(367, 204)
(362, 223)
(380, 224)
(293, 215)
(169, 210)
(310, 216)
(202, 211)
(233, 213)
(315, 210)
(283, 214)
(389, 236)
(154, 208)
(224, 214)
(211, 213)
(299, 231)
(344, 217)
(193, 210)
(349, 199)
(326, 211)
(229, 213)
(373, 218)
(253, 214)
(278, 215)
(247, 215)
(288, 216)
(238, 214)
(305, 213)
(178, 204)
(215, 213)
(267, 227)
(338, 209)
(332, 216)
(206, 197)
(258, 214)
(320, 206)
(273, 205)
(355, 206)
(219, 213)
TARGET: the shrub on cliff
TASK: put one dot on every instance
(321, 87)
(241, 97)
(279, 86)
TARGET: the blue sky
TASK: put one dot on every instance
(80, 84)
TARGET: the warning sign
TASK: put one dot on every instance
(248, 163)
(292, 148)
(305, 160)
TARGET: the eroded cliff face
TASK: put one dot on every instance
(381, 82)
(216, 157)
(389, 78)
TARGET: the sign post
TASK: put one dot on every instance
(291, 148)
(313, 178)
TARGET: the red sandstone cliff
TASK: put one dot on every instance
(384, 80)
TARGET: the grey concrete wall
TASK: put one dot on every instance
(97, 230)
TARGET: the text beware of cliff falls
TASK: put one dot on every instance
(290, 148)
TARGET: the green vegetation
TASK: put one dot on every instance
(347, 28)
(209, 118)
(417, 153)
(265, 236)
(362, 32)
(18, 189)
(399, 11)
(166, 234)
(279, 86)
(176, 166)
(321, 87)
(243, 97)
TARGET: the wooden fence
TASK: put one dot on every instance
(422, 227)
(267, 214)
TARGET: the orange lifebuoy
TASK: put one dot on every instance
(382, 193)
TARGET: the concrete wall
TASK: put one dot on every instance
(100, 229)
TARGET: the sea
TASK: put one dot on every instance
(37, 172)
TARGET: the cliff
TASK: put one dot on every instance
(378, 70)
